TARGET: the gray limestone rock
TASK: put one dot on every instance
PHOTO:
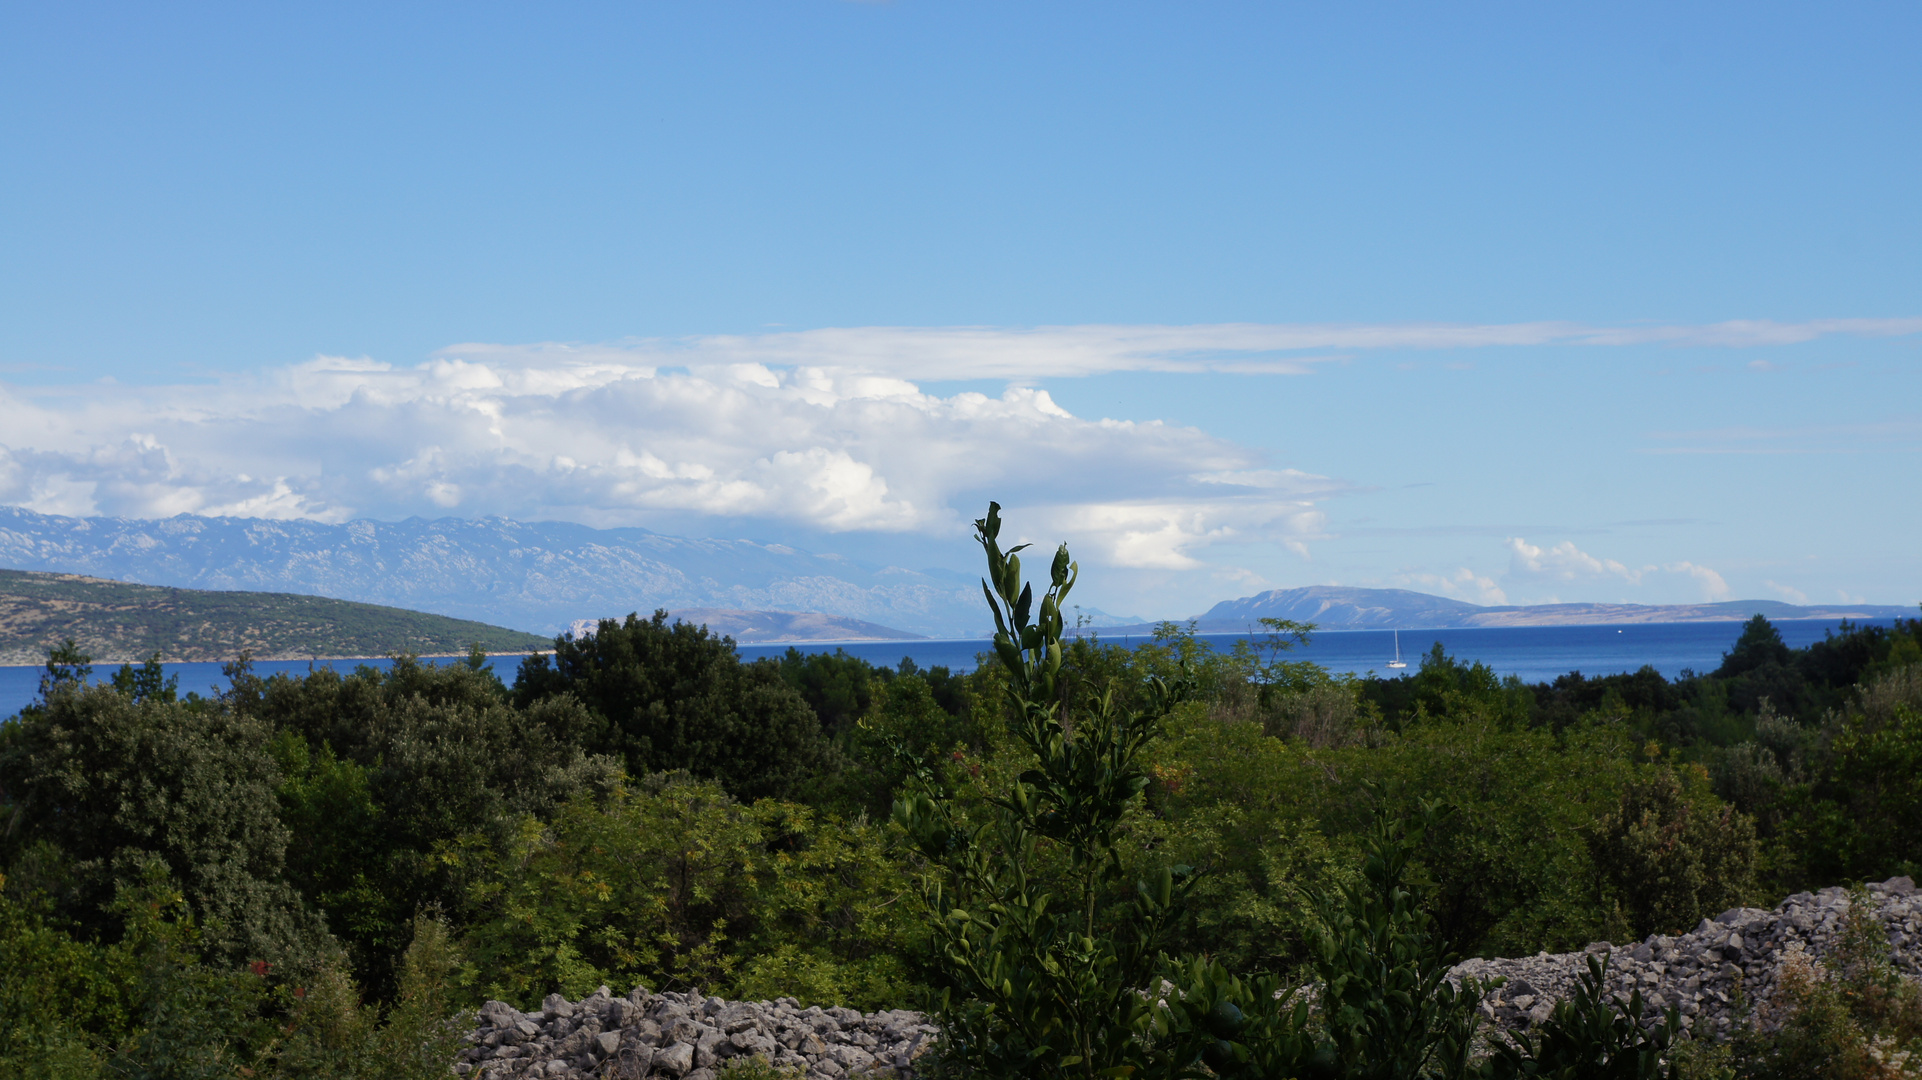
(632, 1063)
(677, 1059)
(1700, 971)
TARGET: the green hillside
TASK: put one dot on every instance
(115, 621)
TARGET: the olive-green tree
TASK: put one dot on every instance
(1672, 856)
(673, 696)
(103, 785)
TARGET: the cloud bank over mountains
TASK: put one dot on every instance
(827, 431)
(603, 444)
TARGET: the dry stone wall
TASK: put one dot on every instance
(687, 1037)
(690, 1037)
(1698, 972)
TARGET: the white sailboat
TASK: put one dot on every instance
(1398, 662)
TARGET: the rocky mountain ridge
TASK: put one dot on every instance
(533, 576)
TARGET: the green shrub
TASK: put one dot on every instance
(147, 1005)
(668, 698)
(1041, 978)
(380, 769)
(112, 783)
(673, 882)
(905, 730)
(1390, 1012)
(1671, 856)
(331, 1034)
(1876, 758)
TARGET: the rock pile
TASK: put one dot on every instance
(687, 1037)
(1697, 972)
(690, 1037)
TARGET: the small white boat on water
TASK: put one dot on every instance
(1398, 662)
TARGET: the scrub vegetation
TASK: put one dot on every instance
(308, 875)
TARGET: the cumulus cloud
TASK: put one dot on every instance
(1463, 584)
(1567, 563)
(832, 430)
(582, 435)
(1162, 535)
(1788, 592)
(1711, 583)
(1563, 562)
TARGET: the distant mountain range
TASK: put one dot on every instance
(545, 576)
(536, 576)
(1333, 607)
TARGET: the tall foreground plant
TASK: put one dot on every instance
(1047, 985)
(1046, 982)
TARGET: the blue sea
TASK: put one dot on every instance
(1535, 653)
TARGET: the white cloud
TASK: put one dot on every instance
(830, 430)
(1713, 587)
(1789, 592)
(1565, 562)
(1745, 333)
(1463, 584)
(1026, 354)
(1163, 535)
(579, 435)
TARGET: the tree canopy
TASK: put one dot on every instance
(675, 697)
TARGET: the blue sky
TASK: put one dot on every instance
(1509, 302)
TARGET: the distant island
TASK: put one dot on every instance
(117, 622)
(1334, 607)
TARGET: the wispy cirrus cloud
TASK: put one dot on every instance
(1022, 354)
(1895, 433)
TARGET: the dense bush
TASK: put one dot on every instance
(381, 770)
(151, 1004)
(1671, 857)
(675, 884)
(674, 697)
(101, 784)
